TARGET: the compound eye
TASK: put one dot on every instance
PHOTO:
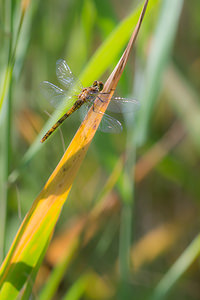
(100, 85)
(95, 83)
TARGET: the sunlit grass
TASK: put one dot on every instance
(127, 233)
(36, 229)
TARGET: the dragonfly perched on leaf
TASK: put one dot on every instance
(85, 98)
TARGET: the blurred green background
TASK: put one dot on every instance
(135, 202)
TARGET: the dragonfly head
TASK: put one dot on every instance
(98, 84)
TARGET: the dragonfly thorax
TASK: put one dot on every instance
(90, 93)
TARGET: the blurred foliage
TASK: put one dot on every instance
(162, 214)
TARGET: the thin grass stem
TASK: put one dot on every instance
(7, 147)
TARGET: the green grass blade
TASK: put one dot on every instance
(28, 290)
(110, 50)
(57, 274)
(99, 63)
(185, 102)
(7, 144)
(38, 224)
(177, 270)
(157, 62)
(17, 15)
(77, 290)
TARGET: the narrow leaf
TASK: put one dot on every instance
(40, 221)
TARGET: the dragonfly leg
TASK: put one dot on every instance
(100, 99)
(105, 93)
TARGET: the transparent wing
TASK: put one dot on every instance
(110, 125)
(83, 110)
(56, 95)
(65, 75)
(52, 93)
(120, 105)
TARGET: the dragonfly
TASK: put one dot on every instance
(86, 98)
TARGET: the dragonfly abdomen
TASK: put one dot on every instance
(76, 105)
